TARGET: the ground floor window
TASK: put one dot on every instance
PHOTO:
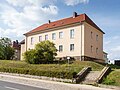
(60, 48)
(71, 47)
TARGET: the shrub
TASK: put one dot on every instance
(44, 52)
(57, 74)
(30, 56)
(6, 51)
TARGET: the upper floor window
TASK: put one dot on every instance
(32, 40)
(91, 34)
(96, 37)
(71, 47)
(46, 37)
(40, 38)
(60, 48)
(91, 49)
(72, 33)
(53, 36)
(60, 35)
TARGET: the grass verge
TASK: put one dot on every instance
(113, 78)
(49, 70)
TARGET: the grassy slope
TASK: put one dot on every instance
(113, 78)
(75, 66)
(49, 70)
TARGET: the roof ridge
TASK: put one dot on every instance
(65, 21)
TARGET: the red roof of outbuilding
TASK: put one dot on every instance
(66, 21)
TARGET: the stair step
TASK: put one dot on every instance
(91, 77)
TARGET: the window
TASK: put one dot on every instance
(16, 51)
(53, 36)
(91, 49)
(40, 38)
(32, 40)
(60, 35)
(60, 48)
(91, 34)
(97, 50)
(96, 37)
(71, 47)
(72, 33)
(46, 37)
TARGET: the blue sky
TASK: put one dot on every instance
(19, 16)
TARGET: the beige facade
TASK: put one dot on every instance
(22, 51)
(87, 40)
(93, 42)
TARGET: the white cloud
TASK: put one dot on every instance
(112, 47)
(22, 3)
(116, 37)
(32, 14)
(117, 48)
(75, 2)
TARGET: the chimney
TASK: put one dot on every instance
(16, 41)
(49, 21)
(74, 14)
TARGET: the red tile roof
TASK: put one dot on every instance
(16, 45)
(66, 21)
(22, 42)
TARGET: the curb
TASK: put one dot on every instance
(51, 85)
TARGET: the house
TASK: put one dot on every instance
(22, 43)
(117, 62)
(105, 58)
(77, 36)
(16, 45)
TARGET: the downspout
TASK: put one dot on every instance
(81, 40)
(26, 43)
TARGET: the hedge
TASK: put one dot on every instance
(55, 73)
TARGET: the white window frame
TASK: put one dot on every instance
(32, 40)
(60, 35)
(46, 37)
(40, 38)
(60, 48)
(53, 36)
(72, 32)
(72, 47)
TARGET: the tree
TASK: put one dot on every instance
(6, 51)
(44, 52)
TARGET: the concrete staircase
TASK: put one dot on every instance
(91, 77)
(86, 76)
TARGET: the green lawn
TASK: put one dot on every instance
(51, 70)
(113, 78)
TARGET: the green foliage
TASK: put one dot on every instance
(6, 51)
(108, 81)
(30, 56)
(44, 52)
(49, 70)
(113, 78)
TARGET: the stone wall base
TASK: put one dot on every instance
(82, 58)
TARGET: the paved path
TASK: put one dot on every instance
(51, 85)
(13, 86)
